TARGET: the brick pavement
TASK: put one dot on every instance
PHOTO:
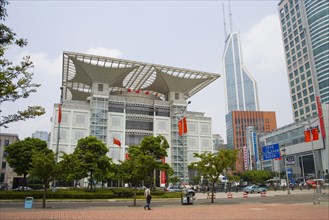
(253, 211)
(246, 210)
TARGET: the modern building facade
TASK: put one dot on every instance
(8, 177)
(42, 135)
(241, 100)
(305, 29)
(218, 143)
(237, 123)
(240, 87)
(301, 157)
(127, 100)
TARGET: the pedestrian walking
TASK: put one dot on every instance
(148, 197)
(208, 192)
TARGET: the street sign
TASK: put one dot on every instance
(271, 152)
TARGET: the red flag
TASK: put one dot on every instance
(137, 91)
(315, 134)
(129, 90)
(59, 113)
(116, 142)
(184, 125)
(147, 92)
(156, 94)
(163, 173)
(279, 158)
(320, 114)
(180, 127)
(307, 135)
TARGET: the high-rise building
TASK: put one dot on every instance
(305, 29)
(127, 100)
(42, 135)
(240, 87)
(8, 177)
(238, 123)
(218, 143)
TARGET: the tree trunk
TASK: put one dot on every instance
(212, 192)
(135, 195)
(44, 195)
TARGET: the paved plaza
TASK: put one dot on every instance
(246, 210)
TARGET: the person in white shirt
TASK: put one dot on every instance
(148, 198)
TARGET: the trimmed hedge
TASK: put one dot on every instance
(108, 193)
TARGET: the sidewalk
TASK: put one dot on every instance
(247, 210)
(201, 195)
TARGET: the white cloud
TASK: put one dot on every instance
(263, 56)
(262, 46)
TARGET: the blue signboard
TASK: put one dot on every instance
(271, 152)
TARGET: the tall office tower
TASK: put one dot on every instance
(305, 29)
(238, 130)
(42, 135)
(127, 100)
(240, 87)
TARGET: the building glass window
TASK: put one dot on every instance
(100, 87)
(306, 100)
(177, 96)
(312, 98)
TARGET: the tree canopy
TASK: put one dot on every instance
(44, 167)
(15, 79)
(20, 154)
(256, 176)
(143, 161)
(91, 155)
(211, 166)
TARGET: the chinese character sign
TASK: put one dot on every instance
(271, 152)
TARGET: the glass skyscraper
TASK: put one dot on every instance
(305, 28)
(240, 87)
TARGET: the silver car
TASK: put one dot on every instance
(252, 189)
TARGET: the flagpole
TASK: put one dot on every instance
(58, 132)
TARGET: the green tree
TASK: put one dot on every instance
(71, 168)
(91, 155)
(256, 176)
(211, 166)
(143, 161)
(44, 167)
(15, 79)
(20, 155)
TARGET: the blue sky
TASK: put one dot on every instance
(186, 34)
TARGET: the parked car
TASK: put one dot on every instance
(175, 188)
(4, 186)
(23, 188)
(252, 189)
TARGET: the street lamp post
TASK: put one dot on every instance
(309, 127)
(286, 168)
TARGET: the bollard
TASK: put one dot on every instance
(229, 195)
(263, 194)
(245, 195)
